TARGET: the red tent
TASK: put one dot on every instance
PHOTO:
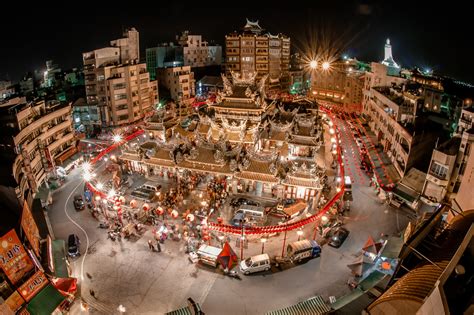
(65, 286)
(227, 257)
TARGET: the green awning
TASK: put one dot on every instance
(372, 280)
(404, 193)
(45, 302)
(59, 257)
(313, 306)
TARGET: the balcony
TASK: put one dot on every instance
(61, 138)
(51, 131)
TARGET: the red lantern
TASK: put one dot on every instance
(122, 199)
(174, 214)
(190, 217)
(205, 237)
(159, 211)
(133, 203)
(146, 207)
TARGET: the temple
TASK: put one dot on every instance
(261, 146)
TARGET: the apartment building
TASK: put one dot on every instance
(342, 84)
(252, 50)
(179, 81)
(190, 50)
(118, 88)
(130, 94)
(451, 166)
(38, 136)
(198, 53)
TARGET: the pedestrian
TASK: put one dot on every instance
(150, 245)
(158, 246)
(92, 293)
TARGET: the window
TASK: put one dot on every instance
(438, 170)
(120, 96)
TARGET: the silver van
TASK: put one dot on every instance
(152, 186)
(252, 212)
(255, 264)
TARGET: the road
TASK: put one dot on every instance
(127, 273)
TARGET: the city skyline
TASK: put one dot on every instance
(420, 41)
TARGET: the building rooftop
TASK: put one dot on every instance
(450, 147)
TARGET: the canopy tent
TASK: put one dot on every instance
(360, 266)
(227, 257)
(45, 302)
(65, 286)
(372, 247)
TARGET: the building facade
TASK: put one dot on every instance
(451, 168)
(41, 136)
(341, 84)
(190, 50)
(118, 88)
(252, 50)
(179, 81)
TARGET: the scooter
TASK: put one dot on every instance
(234, 274)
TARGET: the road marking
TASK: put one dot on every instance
(76, 224)
(207, 288)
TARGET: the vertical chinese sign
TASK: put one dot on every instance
(30, 228)
(14, 260)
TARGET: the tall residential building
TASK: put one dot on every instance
(341, 84)
(190, 50)
(179, 81)
(197, 53)
(129, 46)
(451, 167)
(252, 50)
(118, 88)
(38, 136)
(130, 93)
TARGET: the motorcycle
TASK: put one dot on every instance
(103, 225)
(234, 274)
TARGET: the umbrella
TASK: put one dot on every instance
(227, 257)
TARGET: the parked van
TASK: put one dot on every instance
(255, 264)
(297, 251)
(252, 212)
(152, 186)
(208, 254)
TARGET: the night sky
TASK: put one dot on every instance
(423, 34)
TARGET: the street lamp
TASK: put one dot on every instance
(313, 64)
(326, 65)
(299, 232)
(117, 138)
(263, 240)
(100, 186)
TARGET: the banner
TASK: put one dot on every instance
(31, 287)
(14, 260)
(30, 228)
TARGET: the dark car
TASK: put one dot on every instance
(337, 237)
(73, 245)
(237, 202)
(79, 202)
